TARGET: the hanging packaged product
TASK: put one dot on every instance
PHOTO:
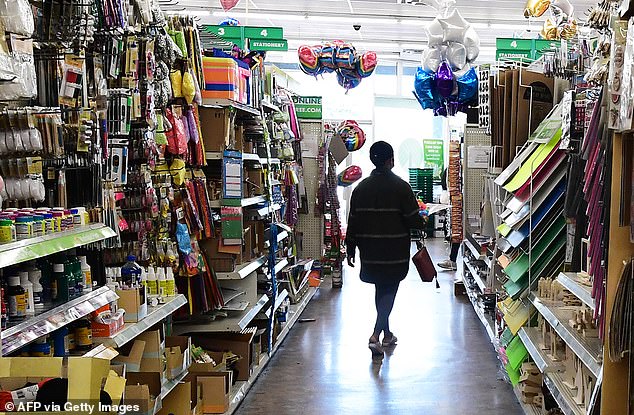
(72, 83)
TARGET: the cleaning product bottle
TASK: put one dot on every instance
(35, 275)
(86, 273)
(59, 280)
(78, 275)
(17, 301)
(152, 282)
(46, 280)
(131, 272)
(170, 283)
(28, 292)
(83, 335)
(162, 283)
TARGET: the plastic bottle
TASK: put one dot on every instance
(59, 280)
(35, 275)
(38, 225)
(7, 231)
(86, 274)
(69, 270)
(162, 282)
(78, 275)
(131, 273)
(152, 282)
(170, 286)
(40, 348)
(28, 292)
(83, 335)
(24, 227)
(60, 342)
(17, 300)
(47, 280)
(144, 278)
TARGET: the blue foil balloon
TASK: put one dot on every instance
(424, 89)
(467, 86)
(230, 21)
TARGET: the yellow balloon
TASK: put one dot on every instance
(567, 30)
(535, 8)
(549, 31)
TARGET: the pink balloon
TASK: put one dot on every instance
(228, 4)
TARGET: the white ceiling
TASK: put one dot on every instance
(387, 26)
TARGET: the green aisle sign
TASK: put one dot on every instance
(308, 108)
(265, 45)
(261, 38)
(434, 155)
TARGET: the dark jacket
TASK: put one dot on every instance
(383, 209)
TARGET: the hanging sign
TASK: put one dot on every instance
(268, 45)
(308, 108)
(434, 155)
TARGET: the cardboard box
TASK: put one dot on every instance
(215, 127)
(85, 376)
(255, 179)
(221, 262)
(132, 361)
(213, 387)
(239, 343)
(179, 401)
(153, 353)
(257, 229)
(152, 381)
(134, 302)
(177, 355)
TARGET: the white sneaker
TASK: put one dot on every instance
(448, 265)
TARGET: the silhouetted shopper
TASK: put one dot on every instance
(383, 209)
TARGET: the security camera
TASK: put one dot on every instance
(356, 27)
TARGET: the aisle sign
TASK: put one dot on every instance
(261, 33)
(261, 38)
(308, 108)
(434, 155)
(268, 45)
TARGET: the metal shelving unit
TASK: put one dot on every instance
(528, 409)
(33, 248)
(223, 103)
(562, 395)
(230, 323)
(280, 237)
(294, 312)
(589, 351)
(572, 283)
(476, 252)
(476, 275)
(242, 271)
(40, 325)
(530, 337)
(479, 312)
(131, 330)
(279, 299)
(270, 107)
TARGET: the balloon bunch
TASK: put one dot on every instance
(422, 209)
(349, 175)
(352, 135)
(560, 25)
(447, 82)
(340, 57)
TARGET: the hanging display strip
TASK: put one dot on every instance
(29, 249)
(24, 333)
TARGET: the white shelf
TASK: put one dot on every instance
(250, 157)
(240, 389)
(530, 337)
(33, 248)
(155, 314)
(230, 323)
(40, 325)
(476, 253)
(253, 201)
(294, 312)
(262, 212)
(588, 350)
(479, 311)
(278, 302)
(221, 103)
(280, 237)
(270, 107)
(169, 385)
(264, 160)
(572, 283)
(242, 271)
(280, 265)
(476, 275)
(563, 396)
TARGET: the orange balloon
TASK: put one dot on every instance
(535, 8)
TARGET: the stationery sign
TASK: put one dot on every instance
(308, 108)
(260, 38)
(434, 155)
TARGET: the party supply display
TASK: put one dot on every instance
(446, 81)
(349, 175)
(340, 57)
(352, 135)
(560, 25)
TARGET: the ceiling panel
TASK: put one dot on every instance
(386, 26)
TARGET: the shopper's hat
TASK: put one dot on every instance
(380, 152)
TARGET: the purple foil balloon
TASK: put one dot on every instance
(441, 111)
(444, 80)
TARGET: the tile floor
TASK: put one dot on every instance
(444, 363)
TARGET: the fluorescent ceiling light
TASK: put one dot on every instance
(517, 26)
(325, 18)
(193, 13)
(243, 15)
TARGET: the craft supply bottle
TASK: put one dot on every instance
(152, 282)
(17, 300)
(24, 227)
(35, 274)
(83, 335)
(170, 283)
(48, 223)
(38, 225)
(86, 274)
(7, 231)
(162, 283)
(28, 292)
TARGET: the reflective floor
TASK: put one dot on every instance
(444, 363)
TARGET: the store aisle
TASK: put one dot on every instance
(444, 363)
